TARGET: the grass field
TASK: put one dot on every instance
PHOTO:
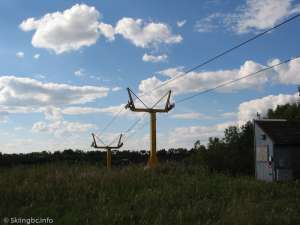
(172, 194)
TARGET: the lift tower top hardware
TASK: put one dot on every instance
(152, 162)
(107, 147)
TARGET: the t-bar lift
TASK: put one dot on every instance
(152, 162)
(107, 147)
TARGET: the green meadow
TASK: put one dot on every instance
(174, 193)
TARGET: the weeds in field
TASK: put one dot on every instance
(171, 194)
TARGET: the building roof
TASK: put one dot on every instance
(281, 131)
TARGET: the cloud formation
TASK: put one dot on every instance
(144, 35)
(61, 128)
(79, 73)
(181, 23)
(155, 58)
(21, 95)
(36, 56)
(65, 31)
(80, 26)
(22, 91)
(287, 73)
(262, 14)
(209, 23)
(107, 31)
(110, 110)
(254, 15)
(189, 135)
(248, 110)
(199, 81)
(20, 55)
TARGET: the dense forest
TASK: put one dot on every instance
(231, 154)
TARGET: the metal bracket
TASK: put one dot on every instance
(169, 106)
(130, 103)
(94, 143)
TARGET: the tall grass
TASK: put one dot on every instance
(171, 194)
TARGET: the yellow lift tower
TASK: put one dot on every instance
(152, 162)
(107, 147)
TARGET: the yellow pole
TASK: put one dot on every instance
(152, 163)
(108, 158)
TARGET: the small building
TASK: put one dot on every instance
(277, 150)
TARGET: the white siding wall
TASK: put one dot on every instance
(262, 168)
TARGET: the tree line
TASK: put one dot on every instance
(119, 158)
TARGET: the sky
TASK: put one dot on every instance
(65, 67)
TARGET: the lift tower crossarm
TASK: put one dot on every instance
(132, 107)
(152, 162)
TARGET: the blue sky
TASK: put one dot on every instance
(65, 66)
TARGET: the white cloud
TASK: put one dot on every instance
(198, 81)
(262, 14)
(287, 73)
(254, 15)
(107, 31)
(80, 26)
(65, 31)
(20, 55)
(79, 73)
(181, 23)
(39, 127)
(172, 72)
(191, 116)
(210, 23)
(36, 56)
(62, 128)
(82, 110)
(28, 92)
(145, 35)
(52, 113)
(29, 24)
(18, 109)
(248, 110)
(116, 89)
(111, 110)
(189, 135)
(154, 59)
(53, 143)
